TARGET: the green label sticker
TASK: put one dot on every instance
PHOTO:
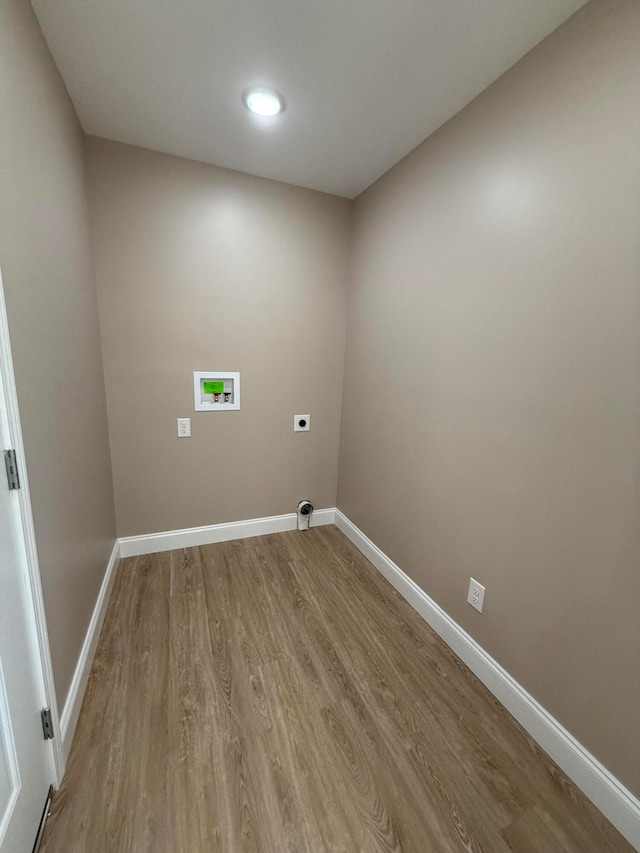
(213, 387)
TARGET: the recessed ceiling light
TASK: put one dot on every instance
(263, 102)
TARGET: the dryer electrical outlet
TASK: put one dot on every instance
(301, 423)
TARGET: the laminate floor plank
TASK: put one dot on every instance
(277, 695)
(384, 712)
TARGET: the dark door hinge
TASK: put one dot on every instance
(43, 820)
(11, 465)
(47, 725)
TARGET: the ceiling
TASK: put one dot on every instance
(364, 81)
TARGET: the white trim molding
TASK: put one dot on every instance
(617, 803)
(73, 703)
(151, 543)
(28, 543)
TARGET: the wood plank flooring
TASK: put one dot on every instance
(276, 694)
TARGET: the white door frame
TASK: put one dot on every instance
(27, 547)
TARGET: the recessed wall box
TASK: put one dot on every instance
(216, 390)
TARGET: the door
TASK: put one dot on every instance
(25, 757)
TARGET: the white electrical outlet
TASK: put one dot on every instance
(301, 423)
(184, 427)
(476, 594)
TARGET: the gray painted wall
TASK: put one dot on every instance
(491, 414)
(201, 268)
(46, 263)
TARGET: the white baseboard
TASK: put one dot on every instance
(132, 546)
(71, 710)
(617, 803)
